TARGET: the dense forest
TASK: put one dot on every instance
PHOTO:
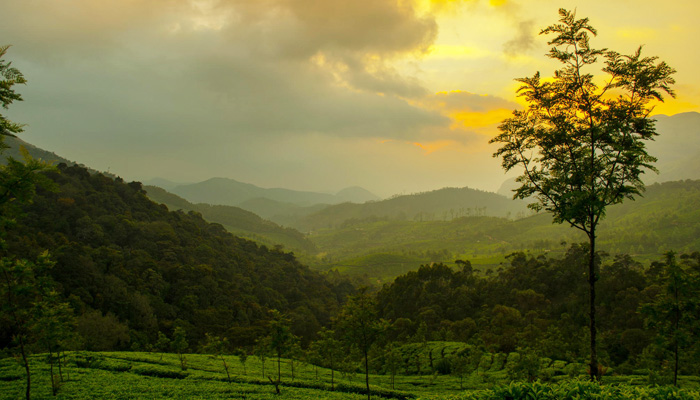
(130, 268)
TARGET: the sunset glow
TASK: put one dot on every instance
(191, 89)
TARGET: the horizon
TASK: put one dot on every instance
(305, 96)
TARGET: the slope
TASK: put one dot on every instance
(443, 204)
(230, 192)
(131, 268)
(666, 218)
(237, 221)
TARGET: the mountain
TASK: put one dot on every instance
(286, 214)
(665, 218)
(677, 147)
(162, 183)
(356, 194)
(236, 220)
(230, 192)
(443, 204)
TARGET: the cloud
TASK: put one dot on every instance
(524, 41)
(470, 113)
(239, 68)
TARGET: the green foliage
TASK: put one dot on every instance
(665, 218)
(180, 345)
(360, 326)
(440, 205)
(526, 366)
(280, 338)
(576, 390)
(9, 76)
(588, 147)
(673, 313)
(237, 221)
(122, 259)
(159, 372)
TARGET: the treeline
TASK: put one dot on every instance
(129, 268)
(647, 314)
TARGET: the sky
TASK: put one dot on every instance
(396, 96)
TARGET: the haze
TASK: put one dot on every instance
(396, 96)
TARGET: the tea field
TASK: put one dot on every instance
(133, 375)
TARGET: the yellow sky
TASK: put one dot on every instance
(394, 95)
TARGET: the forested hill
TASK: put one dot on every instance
(237, 221)
(443, 204)
(131, 268)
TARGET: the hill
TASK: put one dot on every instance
(230, 192)
(438, 205)
(131, 268)
(677, 147)
(666, 218)
(237, 221)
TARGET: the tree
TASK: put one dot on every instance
(242, 358)
(459, 363)
(580, 143)
(162, 344)
(280, 340)
(180, 345)
(53, 320)
(217, 346)
(20, 293)
(23, 308)
(673, 313)
(329, 349)
(360, 325)
(262, 350)
(9, 76)
(393, 361)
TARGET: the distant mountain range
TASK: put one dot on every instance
(230, 192)
(439, 205)
(236, 220)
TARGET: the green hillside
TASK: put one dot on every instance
(237, 221)
(666, 218)
(438, 205)
(130, 268)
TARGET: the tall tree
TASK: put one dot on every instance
(180, 345)
(329, 350)
(360, 325)
(217, 347)
(9, 76)
(280, 340)
(22, 282)
(581, 139)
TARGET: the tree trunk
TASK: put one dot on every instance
(279, 367)
(367, 375)
(54, 384)
(26, 366)
(591, 284)
(332, 375)
(675, 334)
(226, 369)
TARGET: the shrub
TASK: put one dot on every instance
(159, 372)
